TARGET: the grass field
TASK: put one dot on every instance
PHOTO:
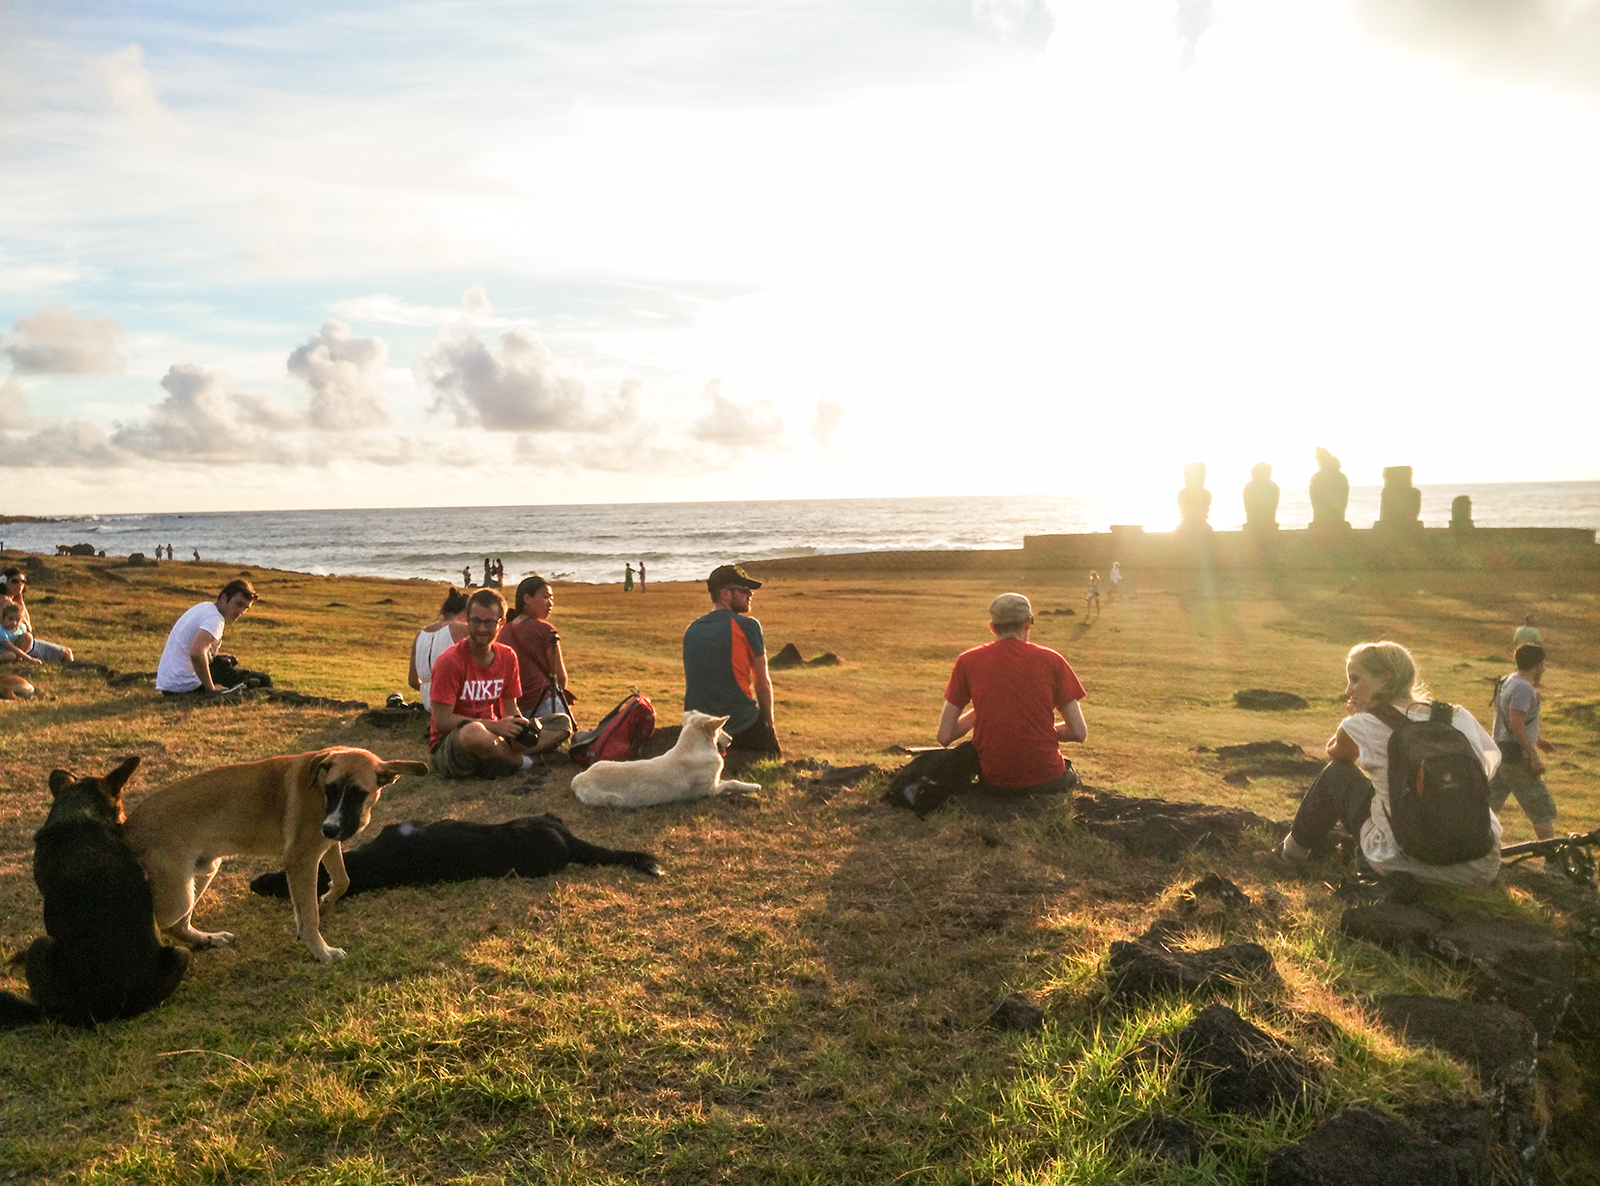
(802, 997)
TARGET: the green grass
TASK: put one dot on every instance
(802, 998)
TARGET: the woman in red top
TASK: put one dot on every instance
(528, 632)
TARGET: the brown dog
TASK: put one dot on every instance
(299, 807)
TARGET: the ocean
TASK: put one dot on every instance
(684, 541)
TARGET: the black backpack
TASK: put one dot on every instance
(1438, 793)
(932, 776)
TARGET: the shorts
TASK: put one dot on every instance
(451, 759)
(47, 652)
(1518, 778)
(758, 737)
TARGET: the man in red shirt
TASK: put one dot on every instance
(1015, 689)
(476, 729)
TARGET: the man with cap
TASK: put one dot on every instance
(725, 666)
(1016, 688)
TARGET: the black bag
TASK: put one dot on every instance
(932, 776)
(1438, 792)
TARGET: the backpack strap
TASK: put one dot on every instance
(1441, 712)
(1391, 716)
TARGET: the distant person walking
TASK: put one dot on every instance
(1116, 579)
(641, 576)
(1528, 634)
(1516, 732)
(434, 639)
(1092, 597)
(627, 580)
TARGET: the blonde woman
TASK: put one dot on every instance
(1353, 788)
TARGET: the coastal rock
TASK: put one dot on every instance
(1239, 1066)
(1162, 828)
(1267, 700)
(1360, 1146)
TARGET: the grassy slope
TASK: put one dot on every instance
(801, 998)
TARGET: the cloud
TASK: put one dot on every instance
(1028, 21)
(55, 341)
(76, 443)
(518, 387)
(129, 85)
(1543, 40)
(1193, 18)
(342, 373)
(14, 411)
(825, 421)
(736, 425)
(202, 418)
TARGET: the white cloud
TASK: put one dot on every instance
(342, 373)
(74, 444)
(55, 341)
(1539, 40)
(737, 425)
(14, 412)
(129, 85)
(825, 421)
(517, 387)
(202, 418)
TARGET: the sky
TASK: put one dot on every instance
(288, 255)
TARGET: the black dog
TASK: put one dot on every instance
(101, 959)
(453, 850)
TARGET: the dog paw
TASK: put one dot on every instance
(329, 955)
(204, 939)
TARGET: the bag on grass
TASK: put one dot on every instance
(932, 776)
(619, 734)
(1438, 792)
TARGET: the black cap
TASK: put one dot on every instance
(727, 575)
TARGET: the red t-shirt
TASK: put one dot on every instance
(471, 690)
(1016, 687)
(531, 640)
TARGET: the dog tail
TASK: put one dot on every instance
(15, 1010)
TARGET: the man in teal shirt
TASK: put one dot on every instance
(725, 666)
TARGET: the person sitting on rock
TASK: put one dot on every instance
(1353, 789)
(1016, 688)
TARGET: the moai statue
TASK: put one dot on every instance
(1261, 499)
(1330, 492)
(1461, 512)
(1401, 505)
(1194, 500)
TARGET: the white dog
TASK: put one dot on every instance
(691, 769)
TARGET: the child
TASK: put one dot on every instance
(15, 642)
(1092, 597)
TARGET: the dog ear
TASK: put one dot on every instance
(320, 762)
(115, 780)
(715, 723)
(389, 771)
(59, 779)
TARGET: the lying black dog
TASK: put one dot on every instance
(454, 850)
(101, 959)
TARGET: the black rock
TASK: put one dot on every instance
(1162, 828)
(1218, 889)
(826, 659)
(1242, 1067)
(1014, 1011)
(786, 658)
(1258, 749)
(1142, 970)
(1166, 1138)
(1361, 1146)
(1266, 700)
(1497, 1043)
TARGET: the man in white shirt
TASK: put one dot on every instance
(190, 655)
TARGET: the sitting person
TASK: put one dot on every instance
(191, 661)
(1382, 682)
(434, 639)
(14, 640)
(725, 667)
(528, 632)
(16, 586)
(475, 729)
(1016, 688)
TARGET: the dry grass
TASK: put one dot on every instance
(802, 997)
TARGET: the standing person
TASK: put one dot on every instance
(475, 729)
(1092, 597)
(466, 576)
(1116, 579)
(1516, 732)
(1016, 689)
(1381, 681)
(641, 576)
(1528, 632)
(725, 667)
(197, 555)
(529, 633)
(190, 660)
(488, 573)
(16, 589)
(434, 639)
(627, 580)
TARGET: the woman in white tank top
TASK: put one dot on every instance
(434, 639)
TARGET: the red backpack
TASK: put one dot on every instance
(619, 734)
